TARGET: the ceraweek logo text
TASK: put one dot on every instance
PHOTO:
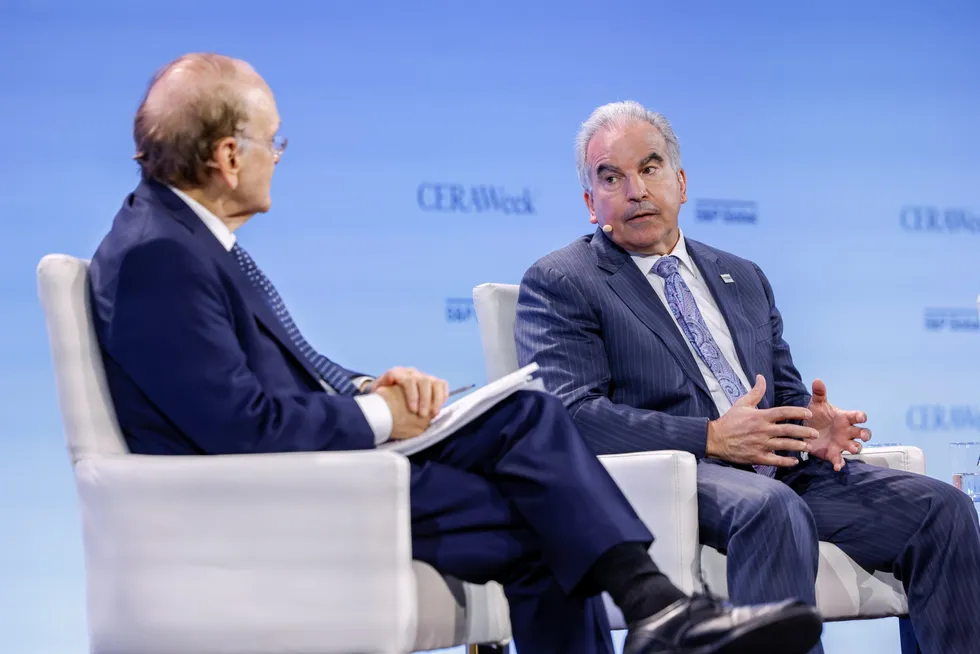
(459, 309)
(727, 211)
(942, 417)
(480, 198)
(953, 320)
(954, 220)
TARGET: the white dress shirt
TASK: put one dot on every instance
(373, 406)
(709, 311)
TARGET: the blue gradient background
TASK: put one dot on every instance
(831, 117)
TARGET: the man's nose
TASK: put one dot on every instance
(636, 189)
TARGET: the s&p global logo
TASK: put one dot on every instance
(936, 220)
(481, 198)
(943, 417)
(459, 309)
(727, 211)
(952, 320)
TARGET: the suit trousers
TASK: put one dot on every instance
(517, 497)
(922, 530)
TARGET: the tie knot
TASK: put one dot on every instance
(666, 266)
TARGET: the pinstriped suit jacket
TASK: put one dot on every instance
(607, 346)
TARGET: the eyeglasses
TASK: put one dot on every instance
(276, 146)
(279, 144)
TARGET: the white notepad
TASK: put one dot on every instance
(467, 408)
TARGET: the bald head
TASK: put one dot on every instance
(191, 103)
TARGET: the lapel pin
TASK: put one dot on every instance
(725, 277)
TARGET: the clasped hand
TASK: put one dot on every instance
(413, 397)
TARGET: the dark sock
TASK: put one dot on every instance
(633, 581)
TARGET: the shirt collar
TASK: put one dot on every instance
(646, 262)
(211, 221)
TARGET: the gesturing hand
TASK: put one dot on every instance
(747, 434)
(424, 393)
(837, 429)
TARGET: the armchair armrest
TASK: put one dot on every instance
(663, 489)
(257, 553)
(909, 459)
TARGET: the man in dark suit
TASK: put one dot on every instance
(655, 342)
(202, 357)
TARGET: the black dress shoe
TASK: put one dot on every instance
(706, 625)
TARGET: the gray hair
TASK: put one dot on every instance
(621, 113)
(190, 103)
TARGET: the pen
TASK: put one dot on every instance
(461, 389)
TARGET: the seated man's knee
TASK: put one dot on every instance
(542, 399)
(537, 404)
(951, 501)
(525, 410)
(776, 504)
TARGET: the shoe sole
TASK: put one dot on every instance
(795, 631)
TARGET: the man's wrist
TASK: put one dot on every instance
(378, 415)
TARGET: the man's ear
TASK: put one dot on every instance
(226, 160)
(591, 207)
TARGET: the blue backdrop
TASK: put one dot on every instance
(836, 145)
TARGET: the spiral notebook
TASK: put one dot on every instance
(464, 410)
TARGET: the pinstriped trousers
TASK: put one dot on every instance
(922, 530)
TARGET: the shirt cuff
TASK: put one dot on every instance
(378, 415)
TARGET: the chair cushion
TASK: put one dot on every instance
(844, 589)
(452, 612)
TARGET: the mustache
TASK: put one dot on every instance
(640, 209)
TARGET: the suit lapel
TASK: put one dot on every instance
(226, 261)
(635, 291)
(729, 303)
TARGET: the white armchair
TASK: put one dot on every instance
(256, 554)
(845, 591)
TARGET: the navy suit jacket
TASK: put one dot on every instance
(196, 360)
(607, 345)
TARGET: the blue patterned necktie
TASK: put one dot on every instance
(329, 371)
(688, 316)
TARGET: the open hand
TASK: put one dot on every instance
(837, 429)
(747, 434)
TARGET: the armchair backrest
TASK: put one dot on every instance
(496, 312)
(87, 412)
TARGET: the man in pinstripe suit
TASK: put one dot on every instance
(654, 341)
